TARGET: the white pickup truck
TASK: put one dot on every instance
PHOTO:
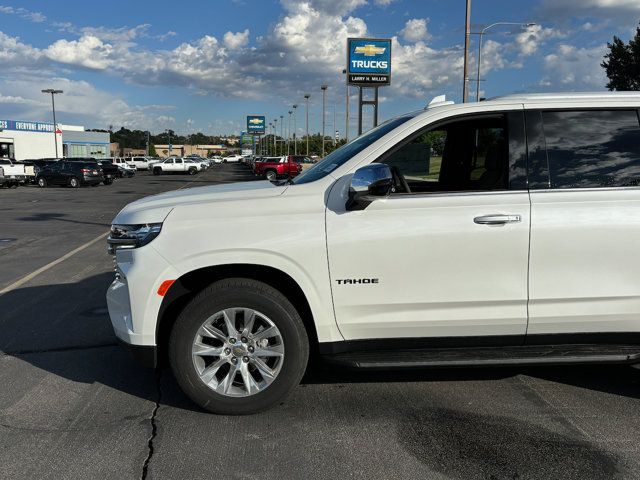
(175, 165)
(15, 173)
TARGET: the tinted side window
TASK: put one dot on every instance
(467, 154)
(591, 149)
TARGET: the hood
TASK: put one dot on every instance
(155, 208)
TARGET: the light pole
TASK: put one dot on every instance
(267, 143)
(295, 131)
(346, 122)
(334, 124)
(168, 132)
(481, 33)
(275, 133)
(53, 107)
(289, 132)
(324, 92)
(306, 97)
(281, 135)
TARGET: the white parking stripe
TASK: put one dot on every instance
(50, 265)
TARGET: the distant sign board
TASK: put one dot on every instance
(256, 124)
(368, 61)
(26, 126)
(246, 139)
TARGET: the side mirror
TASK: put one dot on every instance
(368, 183)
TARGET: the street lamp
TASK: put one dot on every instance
(289, 132)
(295, 140)
(324, 92)
(346, 123)
(168, 132)
(53, 106)
(275, 133)
(306, 97)
(268, 148)
(481, 33)
(281, 135)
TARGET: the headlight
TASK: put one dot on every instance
(132, 236)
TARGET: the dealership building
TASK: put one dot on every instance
(30, 140)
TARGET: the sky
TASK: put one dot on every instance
(202, 66)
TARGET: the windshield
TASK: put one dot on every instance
(345, 153)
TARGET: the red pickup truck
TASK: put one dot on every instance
(274, 167)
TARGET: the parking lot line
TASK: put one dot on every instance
(50, 265)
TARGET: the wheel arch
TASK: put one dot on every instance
(190, 284)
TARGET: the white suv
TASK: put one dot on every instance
(500, 232)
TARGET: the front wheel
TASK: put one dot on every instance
(42, 182)
(271, 175)
(157, 171)
(108, 181)
(193, 171)
(73, 182)
(238, 347)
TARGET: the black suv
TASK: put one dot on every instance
(71, 173)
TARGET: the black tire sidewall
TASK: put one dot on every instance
(71, 182)
(42, 182)
(240, 293)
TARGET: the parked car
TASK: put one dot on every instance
(201, 164)
(70, 173)
(459, 235)
(122, 163)
(2, 179)
(109, 171)
(232, 159)
(126, 172)
(273, 169)
(175, 165)
(14, 173)
(37, 165)
(216, 159)
(142, 163)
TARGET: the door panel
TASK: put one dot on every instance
(584, 261)
(438, 272)
(585, 229)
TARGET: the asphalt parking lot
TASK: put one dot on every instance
(73, 405)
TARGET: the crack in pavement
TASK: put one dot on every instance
(55, 350)
(154, 427)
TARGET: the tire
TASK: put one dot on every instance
(157, 171)
(193, 171)
(270, 304)
(74, 182)
(42, 182)
(108, 181)
(270, 175)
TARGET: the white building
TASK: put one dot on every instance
(30, 140)
(23, 140)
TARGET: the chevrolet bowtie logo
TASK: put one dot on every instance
(255, 121)
(370, 50)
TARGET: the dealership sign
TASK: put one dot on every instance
(368, 61)
(26, 126)
(255, 124)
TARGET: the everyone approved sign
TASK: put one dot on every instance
(369, 61)
(255, 124)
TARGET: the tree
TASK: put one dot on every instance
(622, 63)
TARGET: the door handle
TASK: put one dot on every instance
(497, 219)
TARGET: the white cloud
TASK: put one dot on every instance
(415, 30)
(35, 17)
(89, 51)
(236, 40)
(575, 68)
(533, 36)
(384, 3)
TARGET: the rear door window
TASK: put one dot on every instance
(590, 149)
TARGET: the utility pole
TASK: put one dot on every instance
(147, 143)
(324, 92)
(53, 92)
(334, 124)
(306, 97)
(295, 131)
(465, 73)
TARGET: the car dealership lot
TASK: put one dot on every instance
(73, 405)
